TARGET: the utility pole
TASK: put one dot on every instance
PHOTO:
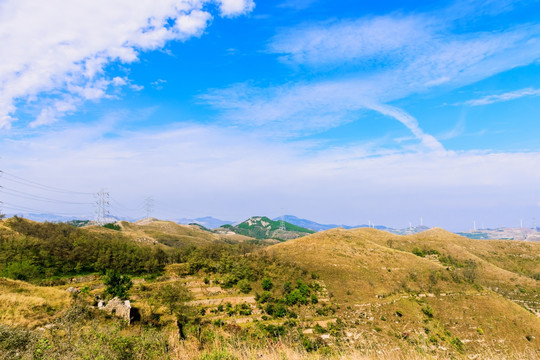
(149, 206)
(102, 207)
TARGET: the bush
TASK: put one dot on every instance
(23, 270)
(244, 286)
(266, 296)
(287, 287)
(296, 297)
(14, 341)
(266, 284)
(280, 311)
(428, 311)
(117, 285)
(112, 226)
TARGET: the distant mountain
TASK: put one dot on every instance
(312, 225)
(262, 227)
(207, 221)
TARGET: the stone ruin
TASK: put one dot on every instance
(120, 308)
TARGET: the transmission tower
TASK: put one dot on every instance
(102, 207)
(149, 206)
(282, 223)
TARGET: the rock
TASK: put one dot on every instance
(73, 290)
(120, 308)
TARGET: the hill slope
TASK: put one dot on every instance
(434, 288)
(175, 235)
(261, 227)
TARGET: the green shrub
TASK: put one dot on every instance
(264, 297)
(428, 311)
(112, 226)
(318, 329)
(266, 284)
(117, 285)
(244, 286)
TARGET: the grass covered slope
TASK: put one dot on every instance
(26, 305)
(175, 235)
(433, 289)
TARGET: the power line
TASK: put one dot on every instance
(24, 195)
(26, 209)
(30, 183)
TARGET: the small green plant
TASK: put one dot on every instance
(318, 329)
(399, 313)
(428, 311)
(457, 343)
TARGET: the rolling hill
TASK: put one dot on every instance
(433, 288)
(359, 293)
(262, 227)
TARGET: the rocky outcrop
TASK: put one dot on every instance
(120, 308)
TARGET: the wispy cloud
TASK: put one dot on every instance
(65, 65)
(297, 4)
(512, 95)
(340, 41)
(374, 61)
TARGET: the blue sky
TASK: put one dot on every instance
(330, 110)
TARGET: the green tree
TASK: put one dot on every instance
(117, 285)
(175, 296)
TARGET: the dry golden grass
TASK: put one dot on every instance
(237, 350)
(374, 273)
(23, 304)
(172, 234)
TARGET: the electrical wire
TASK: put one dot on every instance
(26, 182)
(23, 195)
(24, 208)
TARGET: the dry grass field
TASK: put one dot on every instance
(374, 295)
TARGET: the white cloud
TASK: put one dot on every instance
(512, 95)
(197, 170)
(236, 7)
(64, 47)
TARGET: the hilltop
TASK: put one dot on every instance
(262, 227)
